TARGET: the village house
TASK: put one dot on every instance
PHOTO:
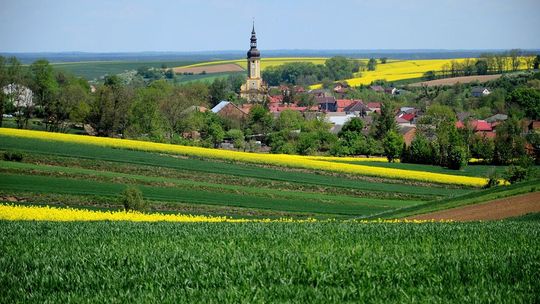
(374, 107)
(480, 92)
(229, 110)
(408, 133)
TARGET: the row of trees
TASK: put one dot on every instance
(306, 73)
(488, 63)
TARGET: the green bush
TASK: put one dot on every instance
(13, 156)
(516, 174)
(132, 199)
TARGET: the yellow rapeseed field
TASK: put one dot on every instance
(47, 213)
(293, 161)
(398, 70)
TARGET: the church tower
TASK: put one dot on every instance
(254, 89)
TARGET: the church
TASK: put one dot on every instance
(254, 90)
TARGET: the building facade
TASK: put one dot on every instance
(254, 90)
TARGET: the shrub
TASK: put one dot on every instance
(132, 199)
(13, 156)
(516, 174)
(493, 178)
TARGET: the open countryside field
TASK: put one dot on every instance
(96, 69)
(283, 160)
(398, 70)
(269, 262)
(232, 65)
(456, 80)
(93, 175)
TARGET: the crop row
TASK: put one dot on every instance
(293, 161)
(314, 262)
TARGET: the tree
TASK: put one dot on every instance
(420, 151)
(289, 120)
(72, 105)
(536, 62)
(218, 91)
(144, 114)
(259, 120)
(214, 133)
(237, 138)
(481, 66)
(372, 64)
(509, 145)
(392, 145)
(429, 75)
(528, 99)
(110, 107)
(45, 88)
(515, 58)
(383, 60)
(132, 199)
(308, 143)
(384, 121)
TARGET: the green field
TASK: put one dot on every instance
(333, 262)
(97, 175)
(470, 170)
(96, 69)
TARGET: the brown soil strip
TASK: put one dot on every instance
(455, 80)
(209, 69)
(494, 210)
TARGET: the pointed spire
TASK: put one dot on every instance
(253, 30)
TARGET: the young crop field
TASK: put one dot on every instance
(96, 175)
(282, 160)
(95, 69)
(315, 262)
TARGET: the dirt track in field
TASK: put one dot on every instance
(209, 69)
(455, 80)
(494, 210)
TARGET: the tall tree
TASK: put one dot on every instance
(45, 89)
(372, 64)
(385, 121)
(392, 145)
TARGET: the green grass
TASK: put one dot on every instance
(54, 262)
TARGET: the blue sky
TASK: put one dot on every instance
(205, 25)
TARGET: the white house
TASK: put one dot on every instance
(480, 91)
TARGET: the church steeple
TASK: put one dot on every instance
(253, 52)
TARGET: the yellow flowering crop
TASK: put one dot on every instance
(265, 62)
(293, 161)
(47, 213)
(402, 69)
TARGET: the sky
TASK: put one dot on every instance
(212, 25)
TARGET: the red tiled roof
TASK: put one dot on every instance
(408, 117)
(275, 99)
(480, 125)
(374, 105)
(343, 103)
